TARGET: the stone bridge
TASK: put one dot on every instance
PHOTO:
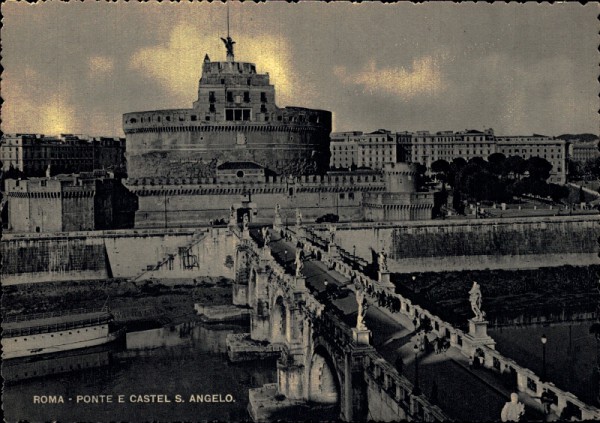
(307, 306)
(325, 358)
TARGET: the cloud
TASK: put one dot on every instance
(100, 65)
(24, 111)
(424, 78)
(176, 65)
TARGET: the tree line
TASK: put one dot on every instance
(497, 179)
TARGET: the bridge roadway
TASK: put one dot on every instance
(462, 393)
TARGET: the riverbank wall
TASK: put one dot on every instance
(136, 254)
(456, 245)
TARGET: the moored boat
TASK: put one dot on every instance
(29, 335)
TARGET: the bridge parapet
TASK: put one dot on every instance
(391, 397)
(525, 380)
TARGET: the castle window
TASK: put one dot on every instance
(263, 108)
(212, 108)
(193, 118)
(211, 96)
(230, 96)
(223, 81)
(158, 118)
(229, 114)
(263, 97)
(240, 174)
(249, 81)
(206, 117)
(246, 96)
(168, 118)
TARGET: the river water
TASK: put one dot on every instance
(154, 377)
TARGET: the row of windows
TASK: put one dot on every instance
(52, 335)
(233, 96)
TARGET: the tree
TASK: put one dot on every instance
(441, 168)
(574, 170)
(538, 168)
(457, 203)
(514, 165)
(479, 161)
(496, 162)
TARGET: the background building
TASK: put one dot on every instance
(583, 151)
(423, 147)
(235, 118)
(84, 202)
(554, 150)
(371, 150)
(67, 153)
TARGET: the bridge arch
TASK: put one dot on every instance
(324, 385)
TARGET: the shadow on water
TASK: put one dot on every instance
(187, 360)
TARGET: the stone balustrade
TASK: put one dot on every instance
(526, 380)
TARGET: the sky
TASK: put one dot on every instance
(76, 67)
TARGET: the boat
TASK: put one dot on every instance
(30, 335)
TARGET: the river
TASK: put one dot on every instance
(155, 376)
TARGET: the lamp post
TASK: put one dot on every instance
(416, 389)
(544, 340)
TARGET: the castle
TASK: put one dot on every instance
(236, 148)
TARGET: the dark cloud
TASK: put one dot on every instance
(76, 67)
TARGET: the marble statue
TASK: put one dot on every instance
(232, 216)
(298, 218)
(331, 229)
(382, 261)
(48, 171)
(277, 211)
(265, 235)
(245, 222)
(363, 305)
(512, 410)
(299, 263)
(475, 299)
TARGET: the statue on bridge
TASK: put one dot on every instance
(298, 218)
(475, 298)
(331, 229)
(245, 221)
(232, 220)
(512, 410)
(266, 238)
(382, 261)
(277, 211)
(299, 263)
(363, 305)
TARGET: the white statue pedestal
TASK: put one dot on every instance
(477, 337)
(300, 283)
(277, 224)
(333, 251)
(361, 336)
(245, 233)
(384, 279)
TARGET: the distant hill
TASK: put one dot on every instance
(578, 137)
